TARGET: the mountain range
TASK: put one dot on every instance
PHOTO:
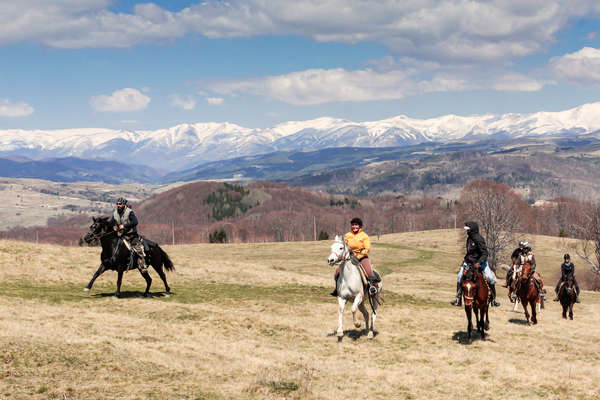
(189, 145)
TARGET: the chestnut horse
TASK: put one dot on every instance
(567, 296)
(527, 292)
(476, 297)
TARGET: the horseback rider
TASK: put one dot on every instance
(125, 221)
(528, 257)
(567, 269)
(515, 258)
(476, 255)
(360, 244)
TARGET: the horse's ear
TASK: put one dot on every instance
(94, 219)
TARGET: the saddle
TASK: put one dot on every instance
(372, 285)
(147, 245)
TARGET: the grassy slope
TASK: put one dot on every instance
(256, 321)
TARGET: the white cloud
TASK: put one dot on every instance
(214, 101)
(450, 30)
(394, 80)
(121, 101)
(19, 109)
(184, 102)
(518, 82)
(317, 86)
(582, 66)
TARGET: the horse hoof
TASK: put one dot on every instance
(86, 289)
(167, 294)
(357, 324)
(340, 339)
(370, 335)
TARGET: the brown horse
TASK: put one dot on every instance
(476, 297)
(527, 292)
(567, 296)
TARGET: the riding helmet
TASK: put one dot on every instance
(567, 256)
(122, 200)
(526, 245)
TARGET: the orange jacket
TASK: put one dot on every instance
(359, 243)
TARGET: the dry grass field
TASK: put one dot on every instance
(255, 321)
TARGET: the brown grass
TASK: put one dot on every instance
(255, 321)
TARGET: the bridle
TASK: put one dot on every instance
(343, 256)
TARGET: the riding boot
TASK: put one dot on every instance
(335, 291)
(494, 303)
(458, 300)
(373, 281)
(556, 298)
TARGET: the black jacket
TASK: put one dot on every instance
(567, 270)
(516, 254)
(475, 246)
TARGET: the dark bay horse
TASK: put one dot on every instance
(476, 298)
(567, 295)
(117, 257)
(527, 292)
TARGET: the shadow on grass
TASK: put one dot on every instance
(353, 334)
(518, 321)
(133, 294)
(462, 337)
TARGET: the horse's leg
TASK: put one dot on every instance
(571, 311)
(524, 304)
(99, 272)
(564, 311)
(357, 301)
(363, 309)
(148, 279)
(119, 280)
(469, 323)
(487, 318)
(516, 304)
(534, 312)
(374, 315)
(158, 267)
(481, 323)
(341, 305)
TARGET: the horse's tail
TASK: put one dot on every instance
(166, 260)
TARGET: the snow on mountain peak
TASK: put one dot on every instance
(186, 145)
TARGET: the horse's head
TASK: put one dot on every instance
(338, 251)
(526, 271)
(98, 227)
(468, 285)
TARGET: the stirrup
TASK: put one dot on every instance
(372, 290)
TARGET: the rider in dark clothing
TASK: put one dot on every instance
(567, 268)
(124, 219)
(476, 255)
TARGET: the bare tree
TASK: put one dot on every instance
(497, 209)
(587, 230)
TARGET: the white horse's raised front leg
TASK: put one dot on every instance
(341, 305)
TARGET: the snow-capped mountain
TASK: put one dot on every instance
(191, 144)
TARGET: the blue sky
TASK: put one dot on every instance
(133, 65)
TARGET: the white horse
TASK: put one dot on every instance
(350, 287)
